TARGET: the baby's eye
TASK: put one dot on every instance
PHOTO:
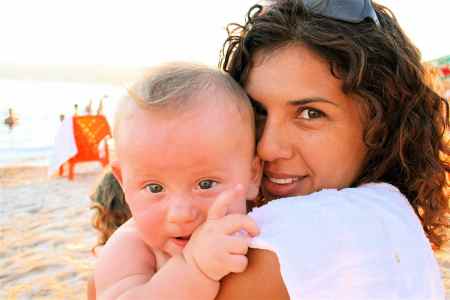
(154, 188)
(206, 184)
(310, 113)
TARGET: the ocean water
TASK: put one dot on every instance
(38, 105)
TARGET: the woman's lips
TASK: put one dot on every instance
(281, 185)
(283, 180)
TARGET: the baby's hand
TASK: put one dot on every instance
(214, 248)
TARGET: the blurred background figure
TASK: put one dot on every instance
(88, 108)
(11, 120)
(100, 105)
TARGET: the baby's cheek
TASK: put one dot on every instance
(142, 202)
(150, 223)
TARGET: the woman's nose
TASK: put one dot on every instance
(181, 211)
(274, 142)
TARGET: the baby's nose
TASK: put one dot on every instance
(182, 213)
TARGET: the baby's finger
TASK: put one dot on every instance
(234, 223)
(237, 244)
(220, 207)
(237, 263)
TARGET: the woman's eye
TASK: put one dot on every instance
(154, 188)
(206, 184)
(310, 113)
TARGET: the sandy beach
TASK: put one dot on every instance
(46, 236)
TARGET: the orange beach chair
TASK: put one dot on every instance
(89, 132)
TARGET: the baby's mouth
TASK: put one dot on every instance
(181, 240)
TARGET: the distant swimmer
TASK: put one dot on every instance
(12, 119)
(88, 108)
(100, 106)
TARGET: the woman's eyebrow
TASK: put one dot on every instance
(306, 101)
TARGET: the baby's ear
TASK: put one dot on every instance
(117, 171)
(255, 181)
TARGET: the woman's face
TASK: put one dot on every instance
(311, 132)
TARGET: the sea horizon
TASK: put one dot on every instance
(38, 106)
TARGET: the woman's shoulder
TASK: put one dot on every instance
(263, 267)
(367, 197)
(370, 230)
(375, 209)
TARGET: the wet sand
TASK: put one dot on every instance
(46, 236)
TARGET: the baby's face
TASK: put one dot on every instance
(173, 167)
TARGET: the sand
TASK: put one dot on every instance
(46, 236)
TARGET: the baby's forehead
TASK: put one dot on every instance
(199, 108)
(211, 98)
(224, 99)
(208, 129)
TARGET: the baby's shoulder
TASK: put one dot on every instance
(127, 230)
(124, 254)
(126, 240)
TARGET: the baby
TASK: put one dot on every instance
(186, 161)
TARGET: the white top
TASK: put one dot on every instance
(356, 243)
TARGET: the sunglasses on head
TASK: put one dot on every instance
(353, 11)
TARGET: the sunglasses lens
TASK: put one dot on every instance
(353, 11)
(316, 6)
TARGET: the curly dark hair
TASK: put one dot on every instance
(407, 122)
(110, 207)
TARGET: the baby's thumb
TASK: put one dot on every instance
(220, 207)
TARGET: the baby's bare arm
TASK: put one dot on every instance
(175, 280)
(212, 252)
(127, 270)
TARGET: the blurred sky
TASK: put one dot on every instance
(135, 33)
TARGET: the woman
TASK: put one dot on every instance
(341, 101)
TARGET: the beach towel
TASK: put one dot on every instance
(356, 243)
(64, 146)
